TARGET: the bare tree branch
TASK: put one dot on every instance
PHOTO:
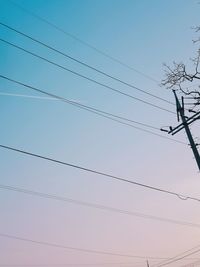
(178, 76)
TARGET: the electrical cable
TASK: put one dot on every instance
(95, 206)
(75, 102)
(162, 263)
(110, 176)
(84, 64)
(45, 243)
(137, 264)
(180, 258)
(96, 111)
(192, 264)
(86, 77)
(83, 42)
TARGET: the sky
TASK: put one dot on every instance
(127, 39)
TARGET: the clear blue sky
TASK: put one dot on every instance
(142, 34)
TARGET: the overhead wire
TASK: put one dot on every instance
(82, 42)
(133, 264)
(180, 258)
(95, 206)
(107, 117)
(83, 63)
(100, 173)
(86, 77)
(96, 111)
(192, 264)
(76, 103)
(84, 250)
(90, 110)
(175, 258)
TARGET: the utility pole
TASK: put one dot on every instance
(185, 125)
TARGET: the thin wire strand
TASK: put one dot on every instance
(84, 64)
(45, 243)
(95, 206)
(110, 176)
(133, 264)
(83, 42)
(180, 258)
(192, 264)
(75, 102)
(175, 257)
(86, 77)
(136, 264)
(98, 112)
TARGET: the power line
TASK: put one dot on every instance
(70, 264)
(137, 264)
(83, 42)
(147, 131)
(165, 262)
(95, 206)
(84, 64)
(112, 177)
(96, 111)
(45, 243)
(75, 102)
(133, 264)
(85, 77)
(180, 258)
(90, 109)
(192, 264)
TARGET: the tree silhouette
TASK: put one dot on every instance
(181, 77)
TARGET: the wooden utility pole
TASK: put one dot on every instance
(185, 125)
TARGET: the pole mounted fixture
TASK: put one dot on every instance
(186, 121)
